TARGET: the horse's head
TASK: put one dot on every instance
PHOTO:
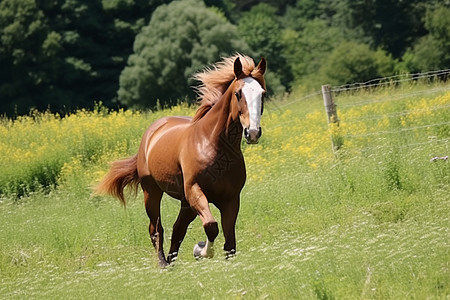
(248, 91)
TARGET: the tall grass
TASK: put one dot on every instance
(367, 221)
(41, 149)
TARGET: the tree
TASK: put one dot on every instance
(23, 34)
(65, 54)
(304, 11)
(125, 19)
(181, 38)
(308, 49)
(431, 52)
(391, 25)
(245, 5)
(97, 38)
(352, 62)
(261, 30)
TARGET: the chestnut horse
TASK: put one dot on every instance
(198, 161)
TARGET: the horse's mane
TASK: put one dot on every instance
(215, 80)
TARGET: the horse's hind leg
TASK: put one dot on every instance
(152, 198)
(185, 217)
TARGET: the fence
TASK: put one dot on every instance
(329, 93)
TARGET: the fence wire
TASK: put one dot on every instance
(408, 145)
(309, 96)
(391, 80)
(395, 115)
(397, 97)
(401, 130)
(380, 82)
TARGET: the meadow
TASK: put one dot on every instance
(368, 219)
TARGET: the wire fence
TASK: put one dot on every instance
(392, 80)
(303, 98)
(396, 114)
(396, 131)
(398, 97)
(361, 100)
(380, 82)
(443, 109)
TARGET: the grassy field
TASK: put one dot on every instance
(369, 221)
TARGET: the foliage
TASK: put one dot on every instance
(390, 25)
(350, 62)
(42, 150)
(308, 50)
(23, 28)
(359, 225)
(260, 28)
(246, 5)
(303, 12)
(432, 51)
(180, 39)
(317, 29)
(66, 54)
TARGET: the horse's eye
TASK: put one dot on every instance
(238, 94)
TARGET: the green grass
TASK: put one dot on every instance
(290, 246)
(371, 223)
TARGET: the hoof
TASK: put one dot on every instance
(230, 254)
(204, 250)
(172, 257)
(198, 249)
(163, 264)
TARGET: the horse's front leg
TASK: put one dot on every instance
(185, 217)
(199, 203)
(229, 212)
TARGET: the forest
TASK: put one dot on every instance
(62, 55)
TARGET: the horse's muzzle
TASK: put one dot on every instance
(252, 135)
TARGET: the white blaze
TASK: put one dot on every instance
(253, 92)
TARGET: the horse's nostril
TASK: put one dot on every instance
(246, 132)
(259, 133)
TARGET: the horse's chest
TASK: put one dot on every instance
(224, 166)
(224, 176)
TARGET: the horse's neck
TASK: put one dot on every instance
(220, 126)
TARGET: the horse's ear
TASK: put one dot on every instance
(237, 68)
(261, 67)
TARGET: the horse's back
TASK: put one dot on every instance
(163, 125)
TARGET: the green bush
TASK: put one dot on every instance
(352, 62)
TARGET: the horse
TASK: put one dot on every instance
(198, 160)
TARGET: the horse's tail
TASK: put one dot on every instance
(122, 173)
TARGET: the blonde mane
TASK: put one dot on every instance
(215, 80)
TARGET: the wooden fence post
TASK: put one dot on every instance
(330, 109)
